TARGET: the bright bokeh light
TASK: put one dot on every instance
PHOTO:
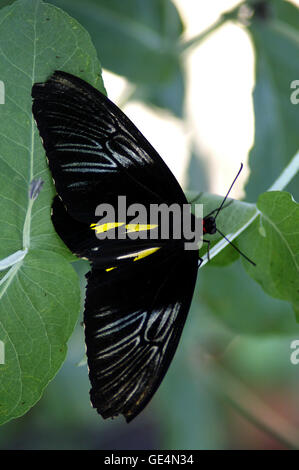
(219, 108)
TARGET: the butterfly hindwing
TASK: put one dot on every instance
(133, 319)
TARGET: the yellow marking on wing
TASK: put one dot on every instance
(110, 269)
(105, 227)
(144, 253)
(139, 227)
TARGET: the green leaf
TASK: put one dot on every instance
(39, 294)
(272, 242)
(276, 43)
(168, 95)
(39, 307)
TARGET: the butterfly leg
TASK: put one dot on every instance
(208, 248)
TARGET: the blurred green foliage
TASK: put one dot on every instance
(139, 40)
(233, 325)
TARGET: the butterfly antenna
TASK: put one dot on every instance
(235, 247)
(217, 212)
(226, 196)
(223, 202)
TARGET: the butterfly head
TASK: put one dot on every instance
(209, 225)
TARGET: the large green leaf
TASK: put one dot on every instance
(268, 237)
(137, 39)
(168, 95)
(272, 241)
(39, 294)
(276, 42)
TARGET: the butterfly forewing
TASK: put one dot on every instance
(139, 291)
(95, 152)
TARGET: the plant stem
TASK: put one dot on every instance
(282, 181)
(12, 259)
(27, 225)
(230, 15)
(196, 40)
(287, 175)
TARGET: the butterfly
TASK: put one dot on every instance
(138, 291)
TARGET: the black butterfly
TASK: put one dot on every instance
(139, 291)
